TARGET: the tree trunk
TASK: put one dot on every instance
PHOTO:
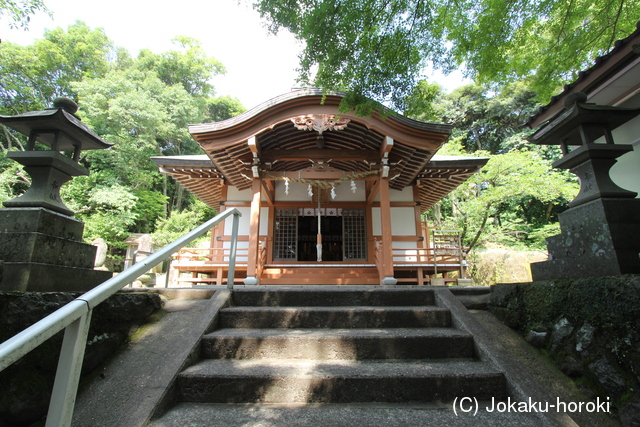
(178, 199)
(477, 138)
(9, 137)
(166, 199)
(549, 210)
(481, 229)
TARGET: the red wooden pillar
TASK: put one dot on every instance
(387, 242)
(254, 233)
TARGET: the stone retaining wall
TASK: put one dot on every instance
(590, 327)
(26, 385)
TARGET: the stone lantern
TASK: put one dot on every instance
(601, 229)
(40, 241)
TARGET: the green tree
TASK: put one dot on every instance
(32, 76)
(143, 105)
(19, 12)
(189, 67)
(175, 226)
(13, 179)
(110, 215)
(421, 103)
(508, 186)
(222, 108)
(487, 119)
(379, 48)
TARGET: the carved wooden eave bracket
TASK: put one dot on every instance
(320, 122)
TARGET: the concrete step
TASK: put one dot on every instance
(334, 317)
(333, 296)
(339, 415)
(332, 344)
(290, 381)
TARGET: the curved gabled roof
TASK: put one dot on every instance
(278, 145)
(265, 141)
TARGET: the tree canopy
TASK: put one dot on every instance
(516, 197)
(143, 105)
(18, 12)
(379, 48)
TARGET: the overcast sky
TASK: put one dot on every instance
(259, 66)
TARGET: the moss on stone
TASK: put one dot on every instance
(608, 308)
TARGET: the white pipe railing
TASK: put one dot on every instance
(75, 317)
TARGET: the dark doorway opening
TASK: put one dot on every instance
(331, 238)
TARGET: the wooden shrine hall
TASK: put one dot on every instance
(325, 197)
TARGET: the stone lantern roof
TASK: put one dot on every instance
(60, 120)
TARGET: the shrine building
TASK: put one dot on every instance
(325, 197)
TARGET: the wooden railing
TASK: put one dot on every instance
(432, 256)
(206, 256)
(424, 259)
(214, 261)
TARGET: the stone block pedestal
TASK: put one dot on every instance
(599, 238)
(42, 251)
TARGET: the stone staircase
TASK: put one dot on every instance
(302, 346)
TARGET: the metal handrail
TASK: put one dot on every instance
(75, 317)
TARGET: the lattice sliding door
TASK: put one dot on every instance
(285, 240)
(354, 242)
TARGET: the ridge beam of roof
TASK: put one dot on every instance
(369, 156)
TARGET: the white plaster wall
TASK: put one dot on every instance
(403, 222)
(376, 222)
(298, 192)
(242, 247)
(235, 195)
(243, 225)
(264, 221)
(404, 195)
(245, 221)
(344, 193)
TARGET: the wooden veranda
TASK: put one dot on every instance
(444, 255)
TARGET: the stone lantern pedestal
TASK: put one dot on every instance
(43, 251)
(40, 242)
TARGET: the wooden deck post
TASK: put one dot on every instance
(387, 241)
(254, 233)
